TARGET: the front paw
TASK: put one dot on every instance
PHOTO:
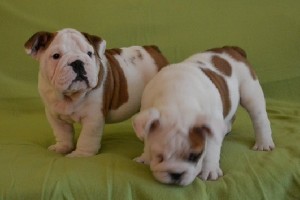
(264, 145)
(139, 160)
(61, 148)
(210, 173)
(142, 159)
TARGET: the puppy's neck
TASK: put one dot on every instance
(73, 97)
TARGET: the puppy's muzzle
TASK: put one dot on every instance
(78, 68)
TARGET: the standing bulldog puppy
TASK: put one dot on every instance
(188, 108)
(80, 81)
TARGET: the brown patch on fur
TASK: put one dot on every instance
(94, 41)
(197, 138)
(39, 41)
(114, 51)
(100, 74)
(238, 54)
(115, 86)
(156, 54)
(222, 87)
(222, 65)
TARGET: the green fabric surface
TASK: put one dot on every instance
(268, 30)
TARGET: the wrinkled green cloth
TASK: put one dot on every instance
(268, 30)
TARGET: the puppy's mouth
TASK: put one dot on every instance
(78, 85)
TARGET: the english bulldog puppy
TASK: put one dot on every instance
(80, 81)
(188, 108)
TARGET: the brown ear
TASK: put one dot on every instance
(37, 42)
(93, 39)
(97, 42)
(197, 136)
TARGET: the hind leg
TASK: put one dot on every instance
(229, 124)
(252, 99)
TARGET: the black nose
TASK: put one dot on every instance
(78, 68)
(176, 176)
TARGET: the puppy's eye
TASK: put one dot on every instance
(55, 56)
(194, 157)
(89, 53)
(160, 158)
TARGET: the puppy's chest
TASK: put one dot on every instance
(70, 118)
(68, 111)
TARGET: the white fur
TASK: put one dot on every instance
(180, 97)
(85, 107)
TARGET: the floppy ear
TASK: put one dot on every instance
(146, 122)
(97, 42)
(102, 48)
(209, 126)
(37, 42)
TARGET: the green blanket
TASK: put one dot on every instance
(268, 30)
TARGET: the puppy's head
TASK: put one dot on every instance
(175, 150)
(69, 60)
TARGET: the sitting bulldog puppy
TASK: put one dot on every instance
(188, 108)
(80, 81)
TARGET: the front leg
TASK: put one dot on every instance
(145, 157)
(88, 143)
(142, 159)
(210, 167)
(63, 133)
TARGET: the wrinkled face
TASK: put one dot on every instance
(176, 156)
(68, 59)
(70, 63)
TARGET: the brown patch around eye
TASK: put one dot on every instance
(194, 157)
(222, 65)
(197, 138)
